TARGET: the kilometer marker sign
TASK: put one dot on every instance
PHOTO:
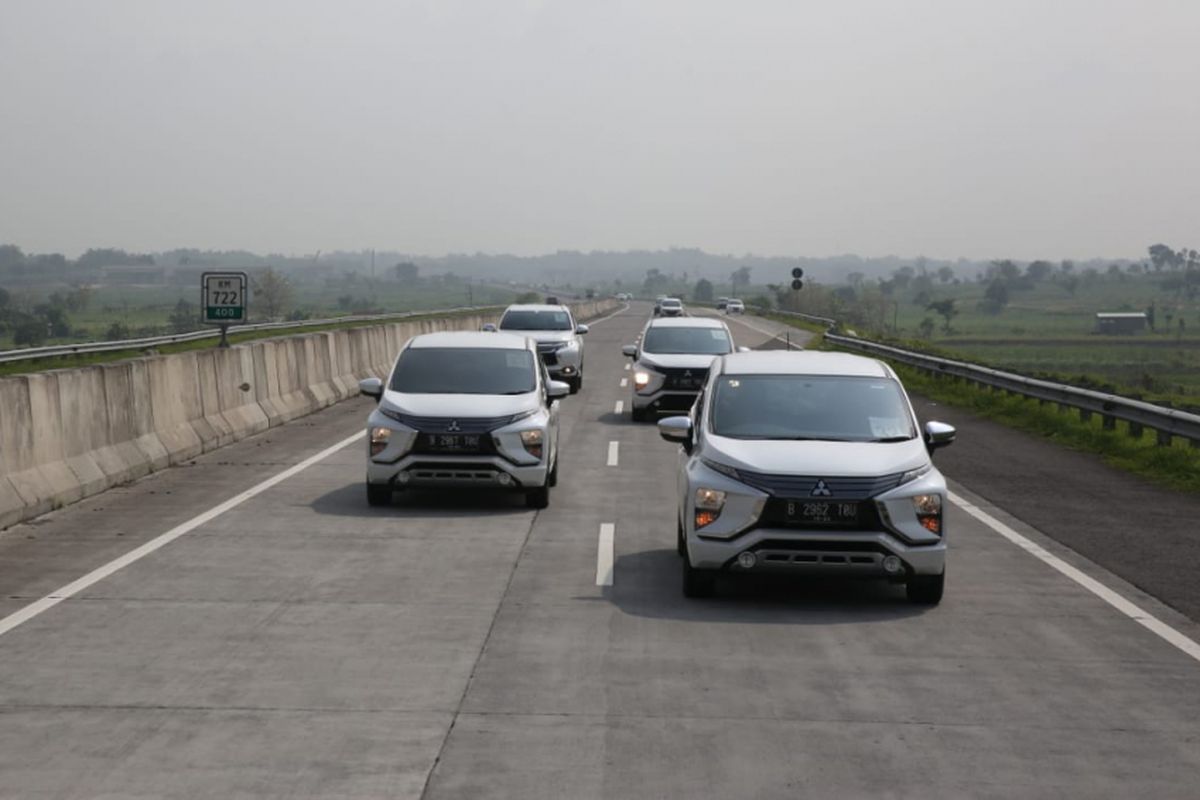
(224, 297)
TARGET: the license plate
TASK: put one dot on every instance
(453, 442)
(821, 512)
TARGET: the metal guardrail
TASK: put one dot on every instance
(50, 351)
(1166, 422)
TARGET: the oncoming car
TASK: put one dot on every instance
(809, 462)
(466, 410)
(670, 307)
(671, 362)
(557, 335)
(735, 307)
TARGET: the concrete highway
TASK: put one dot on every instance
(245, 626)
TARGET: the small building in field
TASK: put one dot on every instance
(1118, 322)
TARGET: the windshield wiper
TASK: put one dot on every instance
(890, 439)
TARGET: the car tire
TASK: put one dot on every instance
(698, 583)
(538, 498)
(926, 590)
(379, 494)
(637, 414)
(680, 544)
(575, 383)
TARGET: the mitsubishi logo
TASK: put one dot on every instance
(687, 373)
(821, 490)
(453, 426)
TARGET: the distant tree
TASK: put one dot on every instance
(946, 309)
(1006, 269)
(116, 331)
(528, 297)
(406, 272)
(855, 279)
(184, 318)
(740, 276)
(703, 293)
(54, 316)
(995, 298)
(1151, 311)
(272, 292)
(1038, 271)
(5, 299)
(902, 277)
(1066, 267)
(11, 257)
(29, 332)
(945, 274)
(1162, 257)
(926, 328)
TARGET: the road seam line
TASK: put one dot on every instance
(1126, 607)
(604, 555)
(37, 607)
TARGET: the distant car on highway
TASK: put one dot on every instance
(721, 303)
(735, 307)
(468, 410)
(670, 307)
(671, 362)
(558, 336)
(808, 462)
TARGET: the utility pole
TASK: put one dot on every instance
(372, 263)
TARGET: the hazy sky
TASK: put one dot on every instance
(1042, 128)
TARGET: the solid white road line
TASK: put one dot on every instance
(624, 382)
(1134, 612)
(613, 448)
(619, 407)
(95, 576)
(604, 555)
(619, 311)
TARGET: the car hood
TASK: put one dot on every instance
(466, 406)
(827, 459)
(545, 336)
(676, 361)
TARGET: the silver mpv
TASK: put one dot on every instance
(465, 410)
(808, 462)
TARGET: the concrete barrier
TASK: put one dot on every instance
(68, 434)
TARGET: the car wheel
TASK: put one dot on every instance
(379, 494)
(680, 544)
(538, 498)
(698, 582)
(637, 414)
(926, 590)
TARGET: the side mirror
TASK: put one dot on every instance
(630, 350)
(678, 430)
(557, 389)
(581, 329)
(938, 434)
(490, 327)
(371, 387)
(743, 349)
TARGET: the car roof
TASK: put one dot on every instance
(672, 300)
(685, 322)
(803, 362)
(536, 307)
(471, 339)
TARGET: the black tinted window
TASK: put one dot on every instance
(536, 321)
(810, 407)
(699, 341)
(444, 370)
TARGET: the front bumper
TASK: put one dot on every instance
(455, 470)
(845, 553)
(665, 401)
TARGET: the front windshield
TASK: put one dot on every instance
(548, 320)
(697, 341)
(822, 407)
(444, 370)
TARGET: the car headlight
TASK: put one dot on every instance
(709, 503)
(640, 379)
(532, 441)
(379, 440)
(929, 511)
(570, 344)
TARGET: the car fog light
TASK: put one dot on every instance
(747, 560)
(705, 518)
(892, 565)
(403, 477)
(504, 479)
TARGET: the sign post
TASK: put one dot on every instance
(223, 298)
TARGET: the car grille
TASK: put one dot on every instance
(802, 486)
(678, 379)
(462, 424)
(549, 352)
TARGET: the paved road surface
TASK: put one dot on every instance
(301, 644)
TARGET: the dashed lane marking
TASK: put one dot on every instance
(604, 555)
(619, 407)
(613, 453)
